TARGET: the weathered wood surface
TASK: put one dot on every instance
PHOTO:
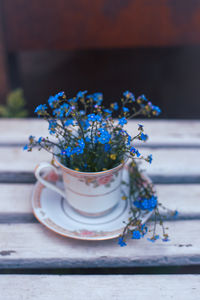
(34, 246)
(161, 132)
(15, 201)
(28, 244)
(100, 287)
(169, 165)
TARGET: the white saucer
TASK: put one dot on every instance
(53, 211)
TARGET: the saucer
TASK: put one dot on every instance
(53, 211)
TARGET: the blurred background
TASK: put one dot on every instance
(149, 47)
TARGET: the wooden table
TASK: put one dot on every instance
(32, 258)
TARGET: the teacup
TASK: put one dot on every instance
(90, 194)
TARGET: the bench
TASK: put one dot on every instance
(35, 263)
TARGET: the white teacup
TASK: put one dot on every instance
(90, 194)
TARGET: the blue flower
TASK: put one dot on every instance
(91, 117)
(63, 152)
(115, 106)
(149, 158)
(122, 121)
(104, 138)
(31, 138)
(123, 132)
(80, 148)
(40, 140)
(129, 140)
(82, 112)
(107, 147)
(71, 100)
(81, 94)
(68, 112)
(77, 150)
(81, 143)
(102, 130)
(143, 97)
(125, 109)
(98, 118)
(143, 137)
(69, 122)
(140, 127)
(96, 139)
(153, 202)
(143, 229)
(25, 147)
(136, 235)
(67, 152)
(60, 94)
(52, 101)
(108, 111)
(129, 95)
(121, 242)
(52, 127)
(146, 204)
(133, 150)
(175, 214)
(137, 203)
(156, 110)
(87, 139)
(166, 239)
(41, 108)
(153, 238)
(64, 107)
(98, 98)
(59, 113)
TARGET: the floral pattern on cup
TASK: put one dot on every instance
(105, 179)
(97, 181)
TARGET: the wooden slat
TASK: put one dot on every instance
(98, 287)
(169, 165)
(161, 132)
(15, 201)
(34, 246)
(15, 204)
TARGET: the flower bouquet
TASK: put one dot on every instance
(90, 145)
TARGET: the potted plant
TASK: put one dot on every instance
(91, 146)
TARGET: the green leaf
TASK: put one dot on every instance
(15, 105)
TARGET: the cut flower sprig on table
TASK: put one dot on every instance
(88, 137)
(143, 198)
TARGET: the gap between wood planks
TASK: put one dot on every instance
(29, 177)
(148, 145)
(29, 218)
(106, 271)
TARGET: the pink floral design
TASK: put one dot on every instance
(87, 233)
(52, 176)
(105, 179)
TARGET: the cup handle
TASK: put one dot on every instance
(45, 182)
